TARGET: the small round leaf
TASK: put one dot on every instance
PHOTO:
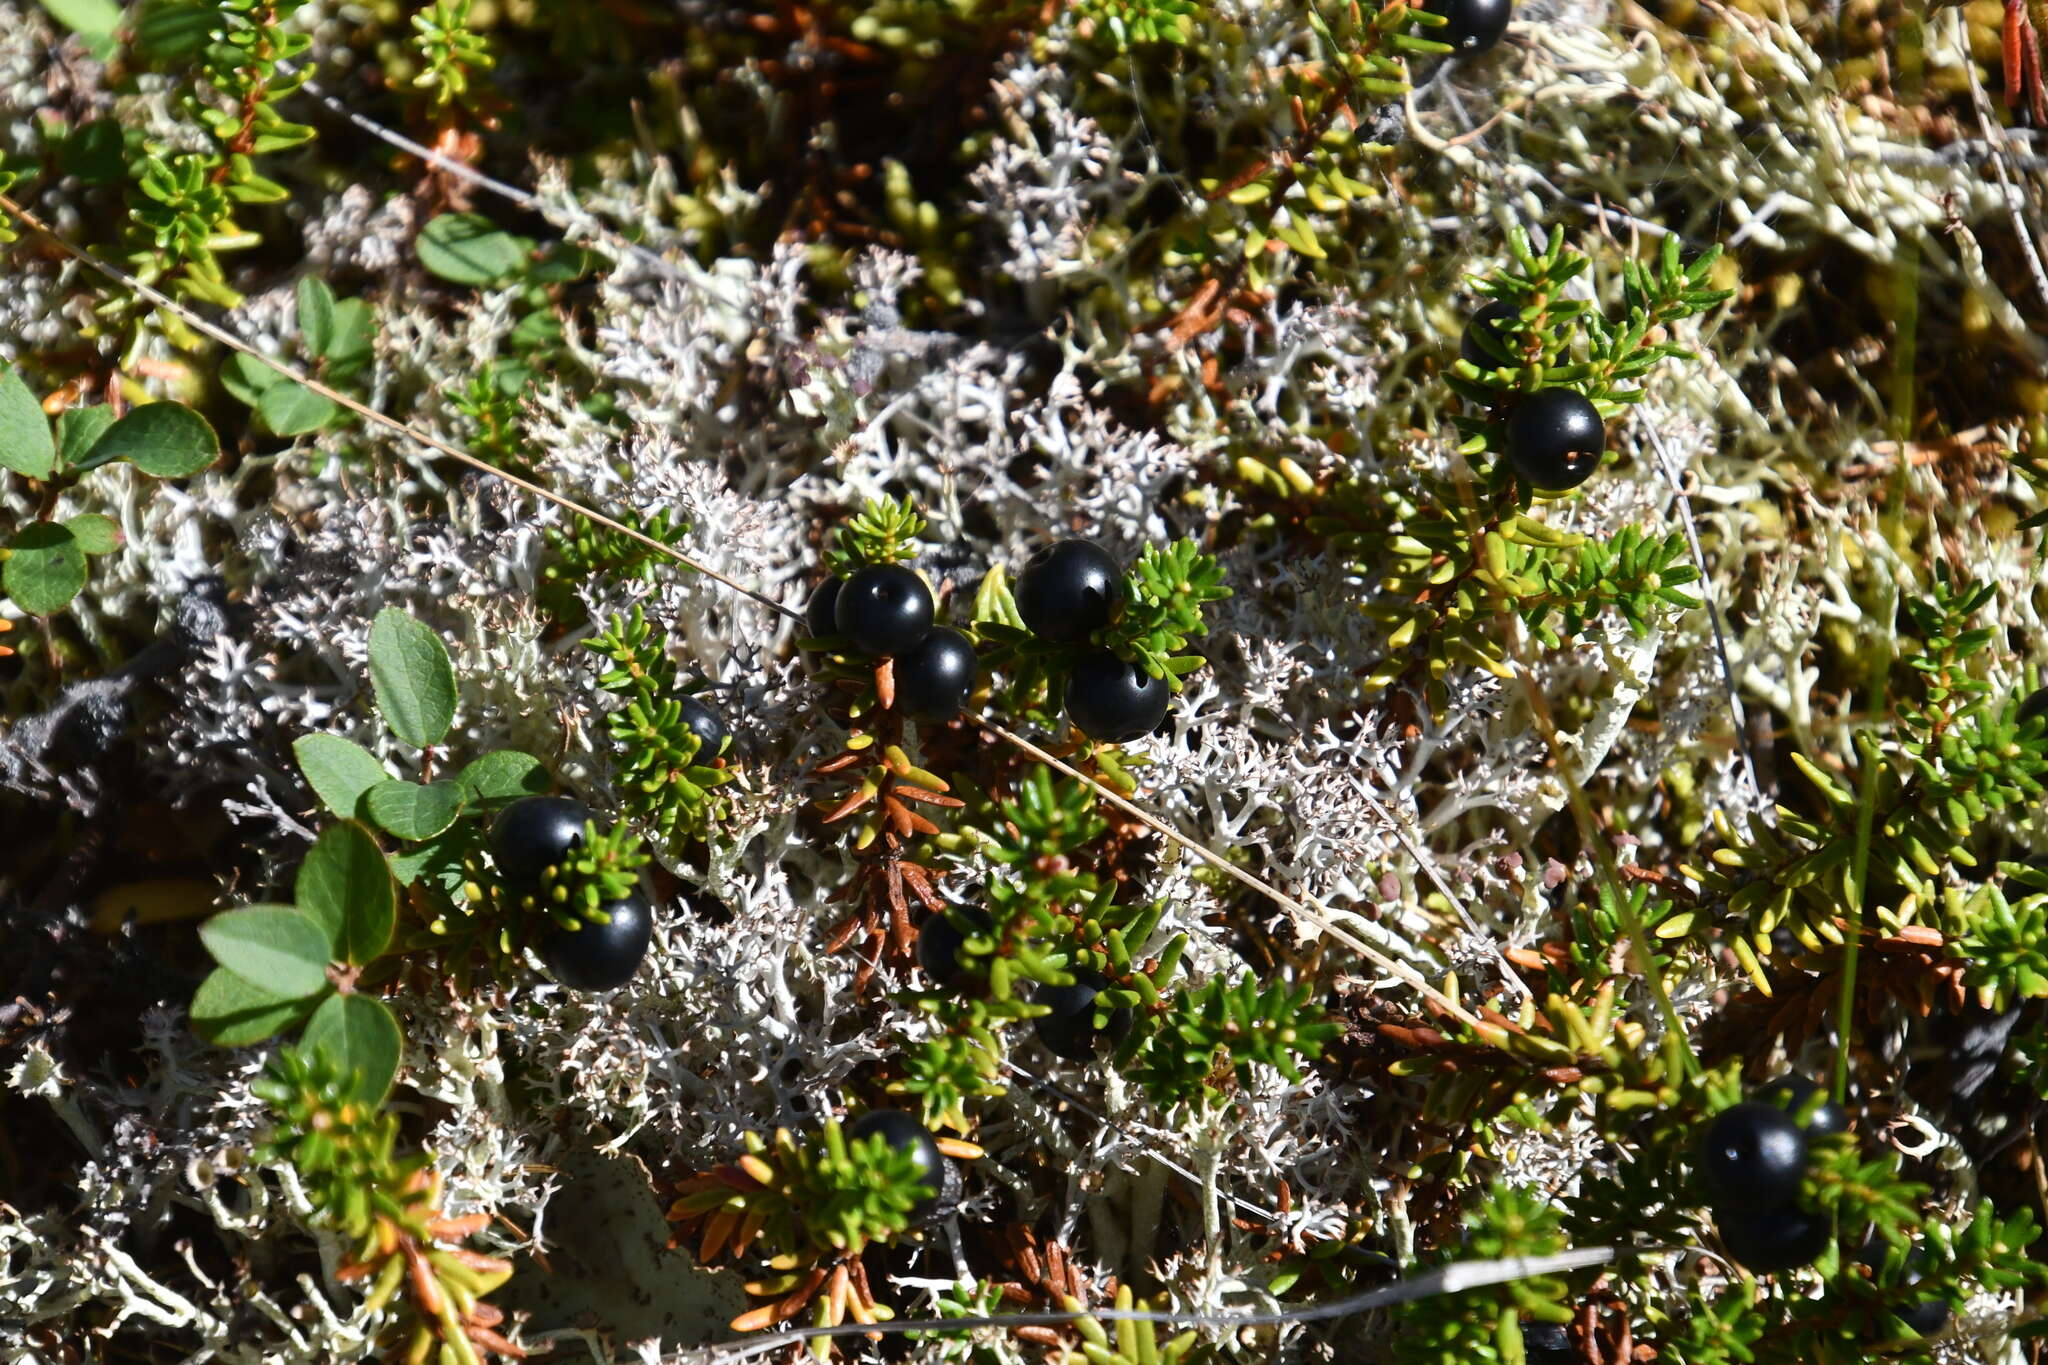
(230, 1010)
(45, 568)
(412, 811)
(467, 248)
(360, 1037)
(95, 534)
(414, 680)
(281, 947)
(168, 440)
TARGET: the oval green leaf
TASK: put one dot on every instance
(415, 683)
(339, 771)
(229, 1010)
(412, 811)
(78, 428)
(279, 946)
(95, 534)
(504, 775)
(292, 409)
(355, 334)
(168, 440)
(45, 568)
(316, 314)
(346, 885)
(360, 1037)
(468, 248)
(25, 444)
(249, 379)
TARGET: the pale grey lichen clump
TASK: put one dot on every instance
(1271, 753)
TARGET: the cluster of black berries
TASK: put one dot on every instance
(885, 611)
(1555, 436)
(536, 833)
(1068, 1030)
(1067, 592)
(1751, 1163)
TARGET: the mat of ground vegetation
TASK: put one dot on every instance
(1492, 848)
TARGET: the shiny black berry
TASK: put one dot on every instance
(1488, 320)
(1555, 439)
(939, 944)
(709, 725)
(1752, 1157)
(904, 1133)
(1114, 700)
(1069, 1031)
(1797, 1095)
(600, 957)
(1547, 1343)
(1767, 1240)
(933, 680)
(1475, 25)
(1068, 591)
(2034, 707)
(533, 834)
(884, 609)
(820, 617)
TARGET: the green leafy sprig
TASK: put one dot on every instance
(603, 868)
(1953, 759)
(581, 550)
(664, 777)
(234, 57)
(387, 1207)
(884, 532)
(452, 57)
(1235, 1027)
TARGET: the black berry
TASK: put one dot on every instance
(1797, 1095)
(1766, 1240)
(599, 957)
(1475, 25)
(820, 617)
(2034, 707)
(1488, 320)
(933, 680)
(709, 725)
(1555, 439)
(1114, 700)
(939, 944)
(1069, 1031)
(533, 834)
(1068, 591)
(1753, 1156)
(904, 1133)
(1547, 1343)
(884, 609)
